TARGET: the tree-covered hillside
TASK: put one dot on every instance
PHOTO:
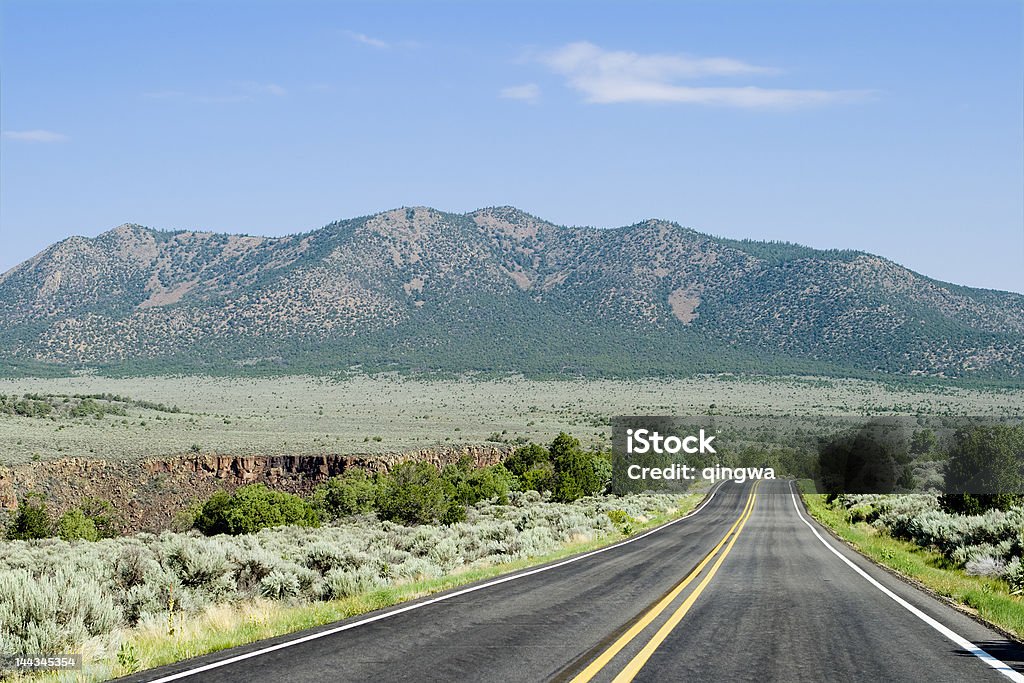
(493, 290)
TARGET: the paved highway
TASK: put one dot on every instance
(745, 588)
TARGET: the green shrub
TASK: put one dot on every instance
(197, 562)
(103, 517)
(472, 484)
(415, 493)
(252, 508)
(505, 481)
(53, 613)
(861, 513)
(564, 469)
(618, 517)
(32, 408)
(128, 658)
(976, 504)
(74, 525)
(344, 583)
(278, 585)
(31, 520)
(352, 493)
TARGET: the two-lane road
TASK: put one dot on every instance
(784, 607)
(746, 588)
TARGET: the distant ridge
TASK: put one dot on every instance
(494, 290)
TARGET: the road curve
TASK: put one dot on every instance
(742, 590)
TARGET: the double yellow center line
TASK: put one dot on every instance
(638, 661)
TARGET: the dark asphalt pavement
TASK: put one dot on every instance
(773, 604)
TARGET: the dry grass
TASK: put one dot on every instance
(307, 415)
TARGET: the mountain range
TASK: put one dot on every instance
(494, 290)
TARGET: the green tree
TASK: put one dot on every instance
(31, 519)
(525, 458)
(578, 473)
(252, 508)
(602, 464)
(985, 469)
(541, 477)
(922, 441)
(868, 459)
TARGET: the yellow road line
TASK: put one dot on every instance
(652, 614)
(633, 668)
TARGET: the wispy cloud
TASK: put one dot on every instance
(254, 88)
(164, 95)
(528, 92)
(584, 57)
(35, 136)
(611, 77)
(367, 40)
(239, 91)
(220, 99)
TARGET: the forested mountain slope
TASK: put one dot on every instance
(493, 290)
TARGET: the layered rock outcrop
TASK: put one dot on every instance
(147, 495)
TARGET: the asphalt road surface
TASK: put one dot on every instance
(747, 588)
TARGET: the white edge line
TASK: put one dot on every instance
(431, 601)
(963, 643)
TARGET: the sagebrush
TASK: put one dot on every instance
(988, 544)
(57, 595)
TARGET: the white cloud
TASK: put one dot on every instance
(587, 58)
(35, 136)
(528, 92)
(612, 92)
(609, 77)
(367, 40)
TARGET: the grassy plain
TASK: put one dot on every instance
(388, 413)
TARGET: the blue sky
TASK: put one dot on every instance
(892, 127)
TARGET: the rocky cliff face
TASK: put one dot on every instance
(147, 495)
